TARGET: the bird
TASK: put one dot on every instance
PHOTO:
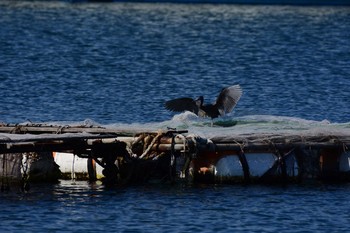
(224, 104)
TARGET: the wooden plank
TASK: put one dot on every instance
(269, 147)
(25, 138)
(62, 129)
(18, 138)
(20, 129)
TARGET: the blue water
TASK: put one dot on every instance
(120, 62)
(84, 208)
(117, 63)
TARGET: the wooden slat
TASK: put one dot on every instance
(61, 129)
(19, 129)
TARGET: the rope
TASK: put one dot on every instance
(172, 167)
(73, 172)
(25, 184)
(4, 184)
(188, 155)
(184, 140)
(241, 145)
(151, 145)
(16, 129)
(130, 152)
(345, 148)
(59, 130)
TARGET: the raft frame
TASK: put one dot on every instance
(137, 156)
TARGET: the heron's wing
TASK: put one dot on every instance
(228, 98)
(182, 104)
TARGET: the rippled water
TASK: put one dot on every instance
(116, 64)
(82, 207)
(120, 62)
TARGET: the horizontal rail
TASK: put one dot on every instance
(57, 129)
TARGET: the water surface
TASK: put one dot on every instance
(119, 62)
(115, 64)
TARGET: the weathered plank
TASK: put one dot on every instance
(53, 129)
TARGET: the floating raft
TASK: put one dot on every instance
(135, 156)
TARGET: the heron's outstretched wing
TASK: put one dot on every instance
(228, 98)
(182, 104)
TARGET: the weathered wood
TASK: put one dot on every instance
(42, 137)
(267, 147)
(150, 148)
(11, 143)
(18, 138)
(54, 129)
(60, 146)
(45, 138)
(267, 142)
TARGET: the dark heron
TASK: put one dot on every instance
(225, 102)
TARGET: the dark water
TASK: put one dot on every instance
(81, 207)
(118, 63)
